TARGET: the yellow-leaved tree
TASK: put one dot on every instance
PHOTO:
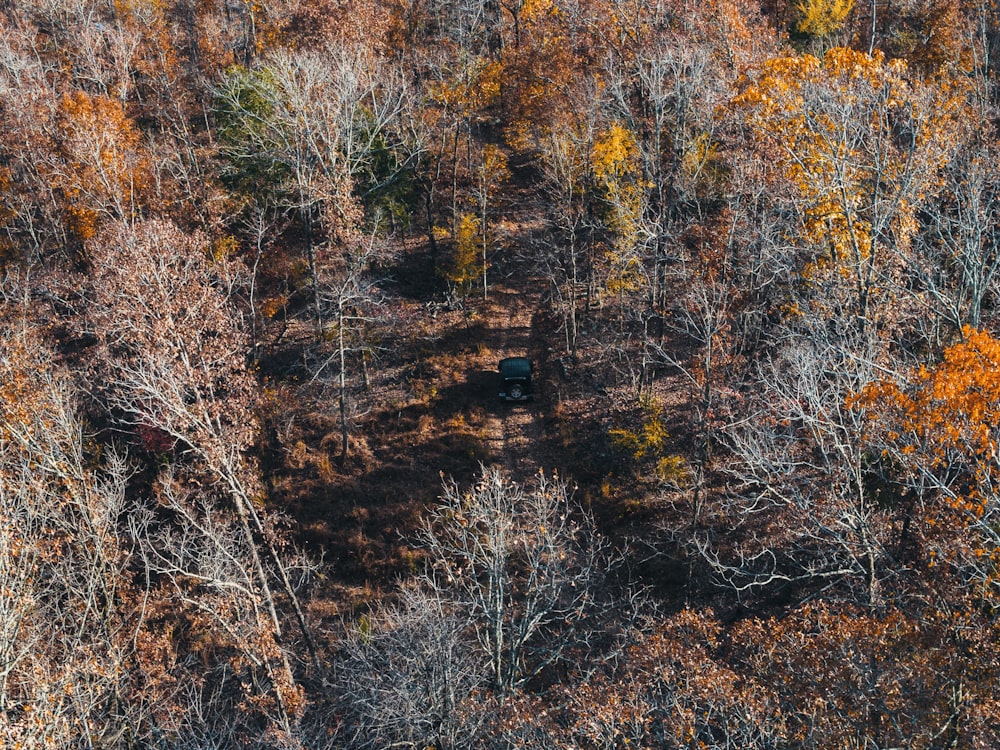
(491, 174)
(860, 143)
(465, 267)
(615, 162)
(821, 18)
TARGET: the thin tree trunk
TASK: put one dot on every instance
(343, 386)
(313, 270)
(871, 41)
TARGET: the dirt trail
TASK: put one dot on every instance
(513, 431)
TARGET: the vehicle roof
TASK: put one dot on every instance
(515, 367)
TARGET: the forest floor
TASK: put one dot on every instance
(428, 410)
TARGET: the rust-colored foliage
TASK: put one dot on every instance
(735, 233)
(843, 677)
(931, 35)
(176, 357)
(673, 690)
(106, 170)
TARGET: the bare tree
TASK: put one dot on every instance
(801, 499)
(703, 314)
(177, 362)
(565, 155)
(491, 173)
(305, 124)
(351, 296)
(70, 615)
(213, 569)
(523, 564)
(957, 261)
(411, 675)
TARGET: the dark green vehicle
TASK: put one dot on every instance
(515, 379)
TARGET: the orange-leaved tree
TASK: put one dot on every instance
(940, 433)
(105, 169)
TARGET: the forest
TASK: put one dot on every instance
(259, 260)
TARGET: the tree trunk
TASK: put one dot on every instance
(343, 385)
